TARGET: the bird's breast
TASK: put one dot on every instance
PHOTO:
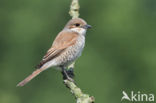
(72, 52)
(80, 44)
(77, 49)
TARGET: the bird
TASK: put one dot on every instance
(66, 48)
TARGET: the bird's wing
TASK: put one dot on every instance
(61, 42)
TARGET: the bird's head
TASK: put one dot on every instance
(77, 25)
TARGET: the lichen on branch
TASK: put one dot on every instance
(74, 9)
(80, 96)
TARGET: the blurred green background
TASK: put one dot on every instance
(120, 52)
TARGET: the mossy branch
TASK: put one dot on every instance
(80, 96)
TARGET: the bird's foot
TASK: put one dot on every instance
(70, 72)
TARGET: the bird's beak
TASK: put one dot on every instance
(86, 26)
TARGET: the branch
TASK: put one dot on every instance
(74, 9)
(80, 96)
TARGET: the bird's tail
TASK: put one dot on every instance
(30, 77)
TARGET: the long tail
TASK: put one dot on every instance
(30, 77)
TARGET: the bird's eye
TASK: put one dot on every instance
(77, 24)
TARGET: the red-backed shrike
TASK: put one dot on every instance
(66, 48)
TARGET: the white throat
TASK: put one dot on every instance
(81, 31)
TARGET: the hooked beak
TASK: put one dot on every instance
(86, 26)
